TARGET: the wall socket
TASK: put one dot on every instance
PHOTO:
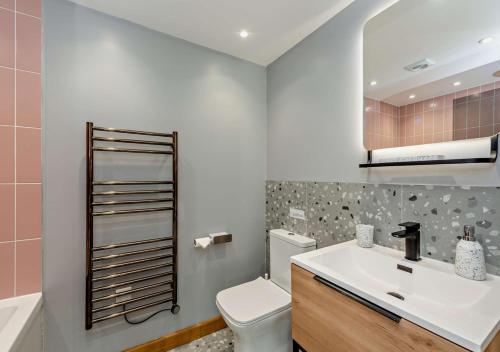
(122, 298)
(297, 214)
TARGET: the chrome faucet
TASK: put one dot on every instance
(411, 234)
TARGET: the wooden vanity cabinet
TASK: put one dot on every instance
(325, 320)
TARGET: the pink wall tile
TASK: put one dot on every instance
(459, 116)
(438, 120)
(437, 137)
(474, 91)
(486, 131)
(28, 99)
(6, 96)
(376, 140)
(472, 132)
(487, 87)
(402, 110)
(28, 211)
(6, 213)
(409, 126)
(6, 154)
(461, 94)
(6, 38)
(419, 107)
(419, 125)
(20, 204)
(428, 122)
(402, 127)
(459, 134)
(448, 99)
(428, 105)
(448, 119)
(8, 4)
(473, 114)
(439, 102)
(368, 126)
(383, 107)
(447, 136)
(445, 118)
(486, 111)
(410, 109)
(31, 7)
(497, 107)
(28, 43)
(377, 122)
(419, 139)
(6, 270)
(370, 143)
(28, 267)
(28, 155)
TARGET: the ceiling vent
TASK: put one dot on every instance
(419, 65)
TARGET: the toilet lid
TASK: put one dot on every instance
(253, 301)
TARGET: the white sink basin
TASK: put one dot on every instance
(460, 310)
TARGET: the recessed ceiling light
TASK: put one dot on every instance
(457, 83)
(485, 40)
(373, 83)
(412, 96)
(243, 34)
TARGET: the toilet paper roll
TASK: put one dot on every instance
(202, 242)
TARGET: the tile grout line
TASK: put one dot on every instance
(15, 148)
(23, 240)
(19, 12)
(19, 183)
(26, 71)
(19, 126)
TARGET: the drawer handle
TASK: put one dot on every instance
(366, 303)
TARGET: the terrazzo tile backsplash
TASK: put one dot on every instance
(333, 209)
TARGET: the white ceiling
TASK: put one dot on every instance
(274, 25)
(445, 31)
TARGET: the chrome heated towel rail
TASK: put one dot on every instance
(135, 275)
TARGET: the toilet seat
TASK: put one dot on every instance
(253, 301)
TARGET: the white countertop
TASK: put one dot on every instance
(463, 311)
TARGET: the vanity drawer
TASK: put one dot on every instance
(325, 320)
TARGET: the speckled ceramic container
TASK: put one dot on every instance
(469, 260)
(364, 235)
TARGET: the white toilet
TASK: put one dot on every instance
(259, 312)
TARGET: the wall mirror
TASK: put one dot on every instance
(432, 73)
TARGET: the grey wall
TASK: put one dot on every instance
(315, 112)
(118, 74)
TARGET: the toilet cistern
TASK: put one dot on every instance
(259, 312)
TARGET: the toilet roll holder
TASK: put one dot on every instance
(218, 238)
